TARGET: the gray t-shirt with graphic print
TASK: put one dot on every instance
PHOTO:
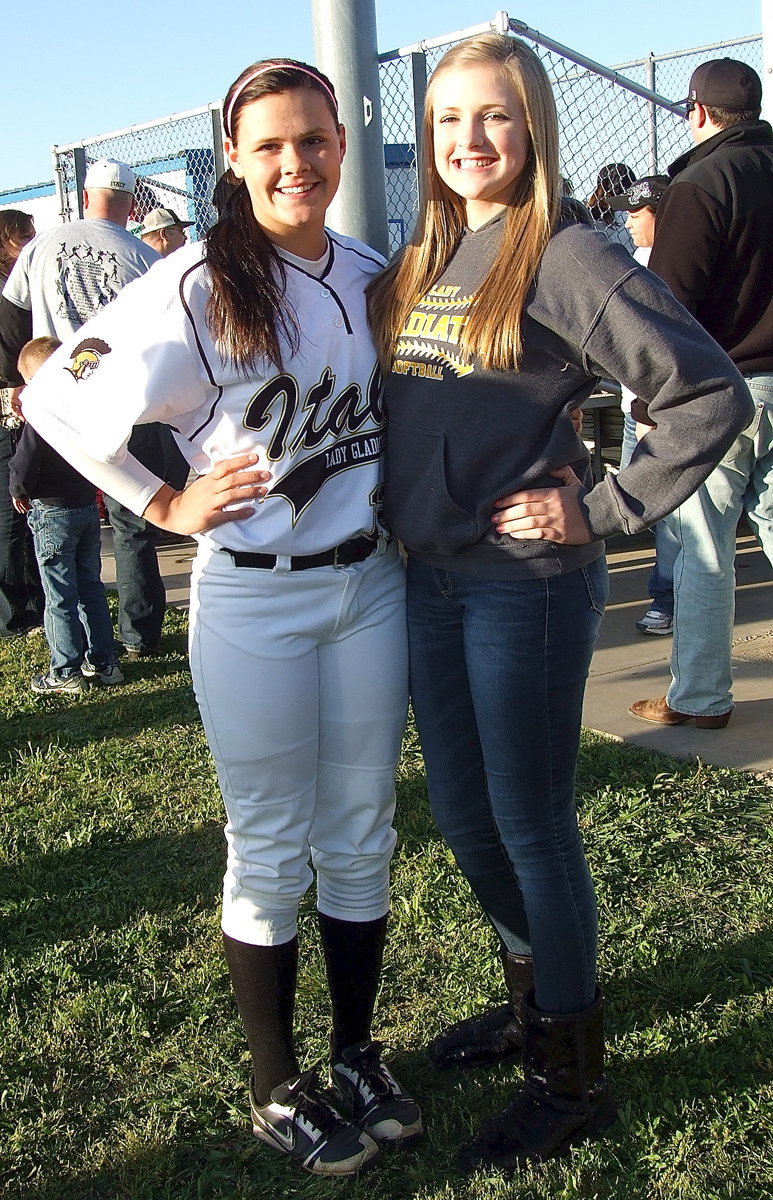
(64, 275)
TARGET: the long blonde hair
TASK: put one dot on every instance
(494, 330)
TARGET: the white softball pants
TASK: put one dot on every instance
(301, 680)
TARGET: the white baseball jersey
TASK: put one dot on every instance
(317, 424)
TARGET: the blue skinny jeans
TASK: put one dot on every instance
(497, 672)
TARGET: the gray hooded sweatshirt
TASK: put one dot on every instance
(460, 437)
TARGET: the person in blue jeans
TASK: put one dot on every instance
(141, 590)
(659, 617)
(640, 203)
(63, 516)
(714, 248)
(494, 325)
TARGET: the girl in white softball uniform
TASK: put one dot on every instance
(254, 346)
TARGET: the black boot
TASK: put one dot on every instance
(495, 1035)
(565, 1098)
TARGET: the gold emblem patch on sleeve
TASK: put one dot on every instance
(87, 357)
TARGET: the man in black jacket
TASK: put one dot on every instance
(714, 247)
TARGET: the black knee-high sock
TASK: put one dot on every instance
(353, 954)
(264, 980)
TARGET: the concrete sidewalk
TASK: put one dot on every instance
(175, 556)
(628, 666)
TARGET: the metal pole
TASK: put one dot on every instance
(747, 39)
(346, 49)
(590, 64)
(216, 117)
(652, 123)
(418, 94)
(130, 129)
(500, 24)
(79, 162)
(61, 191)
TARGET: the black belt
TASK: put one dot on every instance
(353, 551)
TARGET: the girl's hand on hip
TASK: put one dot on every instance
(552, 514)
(222, 495)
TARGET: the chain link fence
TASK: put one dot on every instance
(670, 74)
(403, 83)
(177, 161)
(606, 116)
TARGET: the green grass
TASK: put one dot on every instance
(122, 1064)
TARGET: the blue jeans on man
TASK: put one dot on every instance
(661, 581)
(141, 592)
(76, 618)
(704, 572)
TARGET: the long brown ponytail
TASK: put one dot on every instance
(247, 311)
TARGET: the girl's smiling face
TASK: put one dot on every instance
(481, 141)
(288, 150)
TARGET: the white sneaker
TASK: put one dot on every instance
(654, 621)
(107, 676)
(52, 685)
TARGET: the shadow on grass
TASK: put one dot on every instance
(218, 1169)
(695, 977)
(710, 1072)
(102, 713)
(205, 1166)
(657, 1093)
(68, 894)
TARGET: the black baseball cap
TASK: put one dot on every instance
(725, 83)
(644, 193)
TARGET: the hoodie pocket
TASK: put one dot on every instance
(418, 505)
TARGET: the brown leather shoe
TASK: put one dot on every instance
(658, 713)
